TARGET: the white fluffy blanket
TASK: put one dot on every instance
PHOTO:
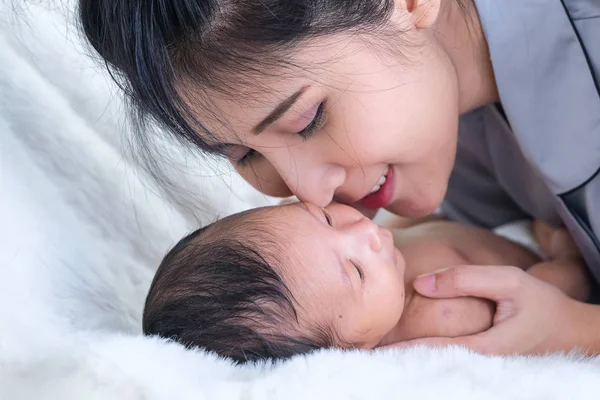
(82, 228)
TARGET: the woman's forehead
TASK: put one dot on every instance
(252, 96)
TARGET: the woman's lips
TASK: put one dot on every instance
(382, 197)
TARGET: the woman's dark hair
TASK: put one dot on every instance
(156, 49)
(217, 292)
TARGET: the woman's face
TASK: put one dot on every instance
(360, 125)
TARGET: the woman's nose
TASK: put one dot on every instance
(310, 180)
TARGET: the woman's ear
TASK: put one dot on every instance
(423, 13)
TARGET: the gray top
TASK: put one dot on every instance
(537, 155)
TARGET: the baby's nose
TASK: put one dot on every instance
(369, 231)
(376, 244)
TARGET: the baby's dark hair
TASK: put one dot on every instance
(216, 290)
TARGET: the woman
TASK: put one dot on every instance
(489, 109)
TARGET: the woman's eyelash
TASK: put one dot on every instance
(361, 274)
(247, 157)
(315, 124)
(306, 133)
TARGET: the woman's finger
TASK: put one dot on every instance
(495, 283)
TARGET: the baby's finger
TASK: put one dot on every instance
(563, 245)
(555, 242)
(495, 283)
(543, 234)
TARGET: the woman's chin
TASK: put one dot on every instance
(410, 209)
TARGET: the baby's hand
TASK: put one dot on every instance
(557, 243)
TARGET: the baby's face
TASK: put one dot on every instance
(343, 270)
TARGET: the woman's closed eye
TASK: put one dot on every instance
(237, 154)
(315, 124)
(246, 158)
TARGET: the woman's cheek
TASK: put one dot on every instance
(264, 178)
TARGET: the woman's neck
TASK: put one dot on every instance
(460, 33)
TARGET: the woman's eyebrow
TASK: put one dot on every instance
(278, 112)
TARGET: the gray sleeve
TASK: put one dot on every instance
(474, 194)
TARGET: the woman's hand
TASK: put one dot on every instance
(532, 317)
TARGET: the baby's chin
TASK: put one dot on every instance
(400, 263)
(395, 316)
(383, 333)
(385, 339)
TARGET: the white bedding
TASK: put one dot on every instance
(82, 228)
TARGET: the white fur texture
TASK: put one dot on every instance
(82, 228)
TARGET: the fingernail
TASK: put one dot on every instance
(425, 283)
(439, 271)
(433, 273)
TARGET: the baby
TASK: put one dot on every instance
(275, 282)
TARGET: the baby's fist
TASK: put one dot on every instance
(556, 243)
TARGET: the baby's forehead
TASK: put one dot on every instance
(275, 217)
(250, 220)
